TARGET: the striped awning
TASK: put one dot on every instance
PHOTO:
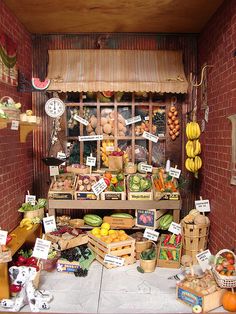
(117, 70)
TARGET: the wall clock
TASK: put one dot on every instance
(54, 107)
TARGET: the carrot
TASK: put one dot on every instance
(161, 179)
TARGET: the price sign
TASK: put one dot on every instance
(54, 171)
(30, 199)
(81, 120)
(110, 148)
(203, 259)
(146, 118)
(150, 137)
(3, 237)
(151, 234)
(61, 155)
(49, 224)
(137, 151)
(41, 248)
(203, 205)
(114, 260)
(146, 168)
(174, 172)
(99, 187)
(90, 138)
(91, 161)
(132, 120)
(15, 125)
(175, 228)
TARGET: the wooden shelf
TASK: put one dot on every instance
(25, 129)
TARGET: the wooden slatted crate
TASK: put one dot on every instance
(125, 249)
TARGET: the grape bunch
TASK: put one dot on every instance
(79, 272)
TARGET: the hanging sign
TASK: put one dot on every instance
(41, 248)
(203, 259)
(203, 205)
(151, 234)
(15, 125)
(30, 199)
(54, 171)
(3, 237)
(174, 172)
(99, 187)
(175, 228)
(150, 137)
(114, 260)
(81, 120)
(91, 161)
(133, 120)
(90, 138)
(49, 224)
(146, 168)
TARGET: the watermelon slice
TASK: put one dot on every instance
(7, 50)
(108, 94)
(39, 85)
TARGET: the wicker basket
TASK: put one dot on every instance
(34, 213)
(149, 266)
(224, 281)
(76, 223)
(141, 246)
(195, 239)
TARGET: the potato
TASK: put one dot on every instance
(104, 121)
(120, 126)
(121, 133)
(89, 128)
(121, 119)
(107, 128)
(93, 121)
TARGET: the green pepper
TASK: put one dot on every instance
(119, 188)
(172, 239)
(174, 254)
(164, 254)
(120, 177)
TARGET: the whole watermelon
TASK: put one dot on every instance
(93, 220)
(165, 221)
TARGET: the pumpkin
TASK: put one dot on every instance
(229, 301)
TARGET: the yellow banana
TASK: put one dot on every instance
(24, 221)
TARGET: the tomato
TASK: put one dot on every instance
(229, 255)
(231, 261)
(107, 181)
(230, 267)
(22, 260)
(31, 261)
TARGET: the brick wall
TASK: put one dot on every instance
(16, 162)
(217, 47)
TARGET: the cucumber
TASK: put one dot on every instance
(93, 220)
(122, 215)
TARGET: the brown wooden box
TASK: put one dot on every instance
(65, 194)
(85, 195)
(119, 223)
(67, 244)
(139, 196)
(168, 263)
(120, 249)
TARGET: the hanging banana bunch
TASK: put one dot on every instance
(193, 148)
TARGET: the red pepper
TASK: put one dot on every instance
(107, 181)
(167, 238)
(169, 254)
(178, 239)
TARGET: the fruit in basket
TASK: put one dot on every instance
(229, 301)
(225, 264)
(93, 220)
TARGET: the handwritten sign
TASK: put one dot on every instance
(91, 161)
(175, 228)
(15, 125)
(81, 120)
(53, 170)
(90, 138)
(99, 187)
(203, 259)
(114, 260)
(203, 205)
(3, 237)
(41, 248)
(146, 168)
(174, 172)
(151, 234)
(150, 137)
(132, 120)
(49, 224)
(30, 199)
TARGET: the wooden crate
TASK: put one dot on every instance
(119, 249)
(207, 302)
(152, 217)
(194, 239)
(114, 196)
(85, 195)
(119, 223)
(67, 194)
(157, 196)
(168, 263)
(139, 196)
(67, 244)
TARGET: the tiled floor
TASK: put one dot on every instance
(120, 290)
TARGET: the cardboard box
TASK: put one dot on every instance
(119, 223)
(67, 244)
(207, 302)
(65, 266)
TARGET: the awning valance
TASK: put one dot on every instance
(117, 70)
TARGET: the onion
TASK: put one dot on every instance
(176, 113)
(177, 127)
(169, 121)
(172, 126)
(176, 121)
(173, 137)
(171, 132)
(170, 114)
(173, 118)
(177, 133)
(172, 109)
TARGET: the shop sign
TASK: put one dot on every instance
(175, 228)
(41, 248)
(114, 260)
(99, 187)
(81, 120)
(132, 120)
(203, 205)
(150, 137)
(151, 234)
(89, 138)
(49, 224)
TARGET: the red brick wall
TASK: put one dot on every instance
(16, 162)
(217, 47)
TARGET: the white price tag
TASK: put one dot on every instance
(54, 171)
(132, 120)
(99, 187)
(146, 118)
(49, 224)
(15, 125)
(81, 120)
(114, 260)
(175, 228)
(41, 248)
(61, 155)
(146, 168)
(203, 259)
(151, 234)
(203, 205)
(3, 237)
(137, 151)
(110, 148)
(30, 199)
(150, 137)
(91, 161)
(90, 138)
(174, 172)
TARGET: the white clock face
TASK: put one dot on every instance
(54, 107)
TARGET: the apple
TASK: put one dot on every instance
(197, 309)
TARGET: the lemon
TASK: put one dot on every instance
(111, 231)
(98, 236)
(95, 231)
(106, 225)
(104, 232)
